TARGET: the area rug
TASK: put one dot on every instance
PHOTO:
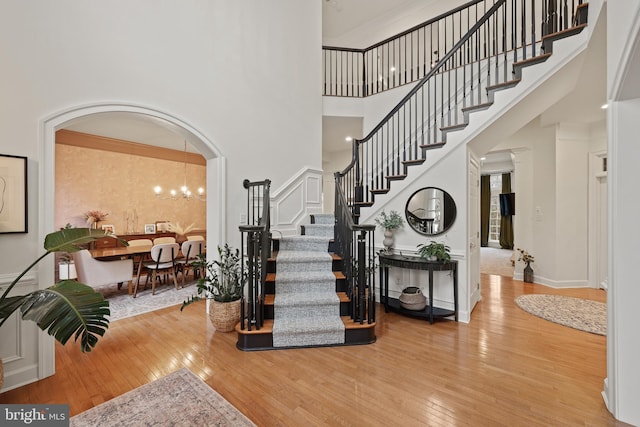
(179, 399)
(496, 261)
(577, 313)
(123, 305)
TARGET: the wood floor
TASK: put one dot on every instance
(504, 368)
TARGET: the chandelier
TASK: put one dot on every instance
(184, 192)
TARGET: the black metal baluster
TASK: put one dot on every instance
(504, 44)
(533, 29)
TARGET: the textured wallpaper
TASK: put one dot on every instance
(122, 185)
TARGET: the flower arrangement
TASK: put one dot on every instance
(178, 229)
(94, 217)
(391, 221)
(525, 256)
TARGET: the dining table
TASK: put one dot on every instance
(137, 253)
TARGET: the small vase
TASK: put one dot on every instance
(528, 273)
(388, 241)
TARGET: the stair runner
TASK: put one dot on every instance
(306, 306)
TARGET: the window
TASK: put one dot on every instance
(494, 213)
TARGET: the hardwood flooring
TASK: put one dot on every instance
(506, 367)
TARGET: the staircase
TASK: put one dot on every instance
(311, 290)
(488, 57)
(306, 301)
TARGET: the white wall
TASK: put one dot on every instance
(622, 387)
(245, 75)
(551, 183)
(572, 203)
(444, 175)
(534, 223)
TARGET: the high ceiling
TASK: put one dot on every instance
(342, 16)
(339, 18)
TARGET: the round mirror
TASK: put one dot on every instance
(430, 211)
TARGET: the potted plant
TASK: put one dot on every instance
(68, 308)
(66, 266)
(223, 284)
(527, 258)
(435, 251)
(389, 222)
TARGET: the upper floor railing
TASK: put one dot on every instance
(408, 57)
(477, 63)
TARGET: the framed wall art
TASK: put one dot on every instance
(13, 194)
(109, 228)
(162, 226)
(150, 228)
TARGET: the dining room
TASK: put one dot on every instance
(133, 190)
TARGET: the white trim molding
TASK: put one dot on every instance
(294, 202)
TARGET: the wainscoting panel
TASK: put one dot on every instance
(294, 202)
(19, 339)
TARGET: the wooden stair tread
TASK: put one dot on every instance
(432, 145)
(477, 107)
(267, 327)
(503, 85)
(413, 162)
(453, 127)
(334, 256)
(380, 191)
(564, 33)
(271, 277)
(532, 60)
(269, 299)
(395, 177)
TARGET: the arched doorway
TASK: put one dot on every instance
(215, 181)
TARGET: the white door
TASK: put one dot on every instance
(474, 231)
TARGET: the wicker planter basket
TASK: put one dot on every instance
(225, 315)
(413, 299)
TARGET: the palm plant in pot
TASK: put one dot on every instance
(223, 284)
(67, 308)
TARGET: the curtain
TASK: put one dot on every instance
(485, 208)
(506, 207)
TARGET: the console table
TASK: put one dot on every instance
(417, 263)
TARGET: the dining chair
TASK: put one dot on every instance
(137, 260)
(142, 242)
(161, 240)
(195, 237)
(93, 272)
(191, 250)
(163, 259)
